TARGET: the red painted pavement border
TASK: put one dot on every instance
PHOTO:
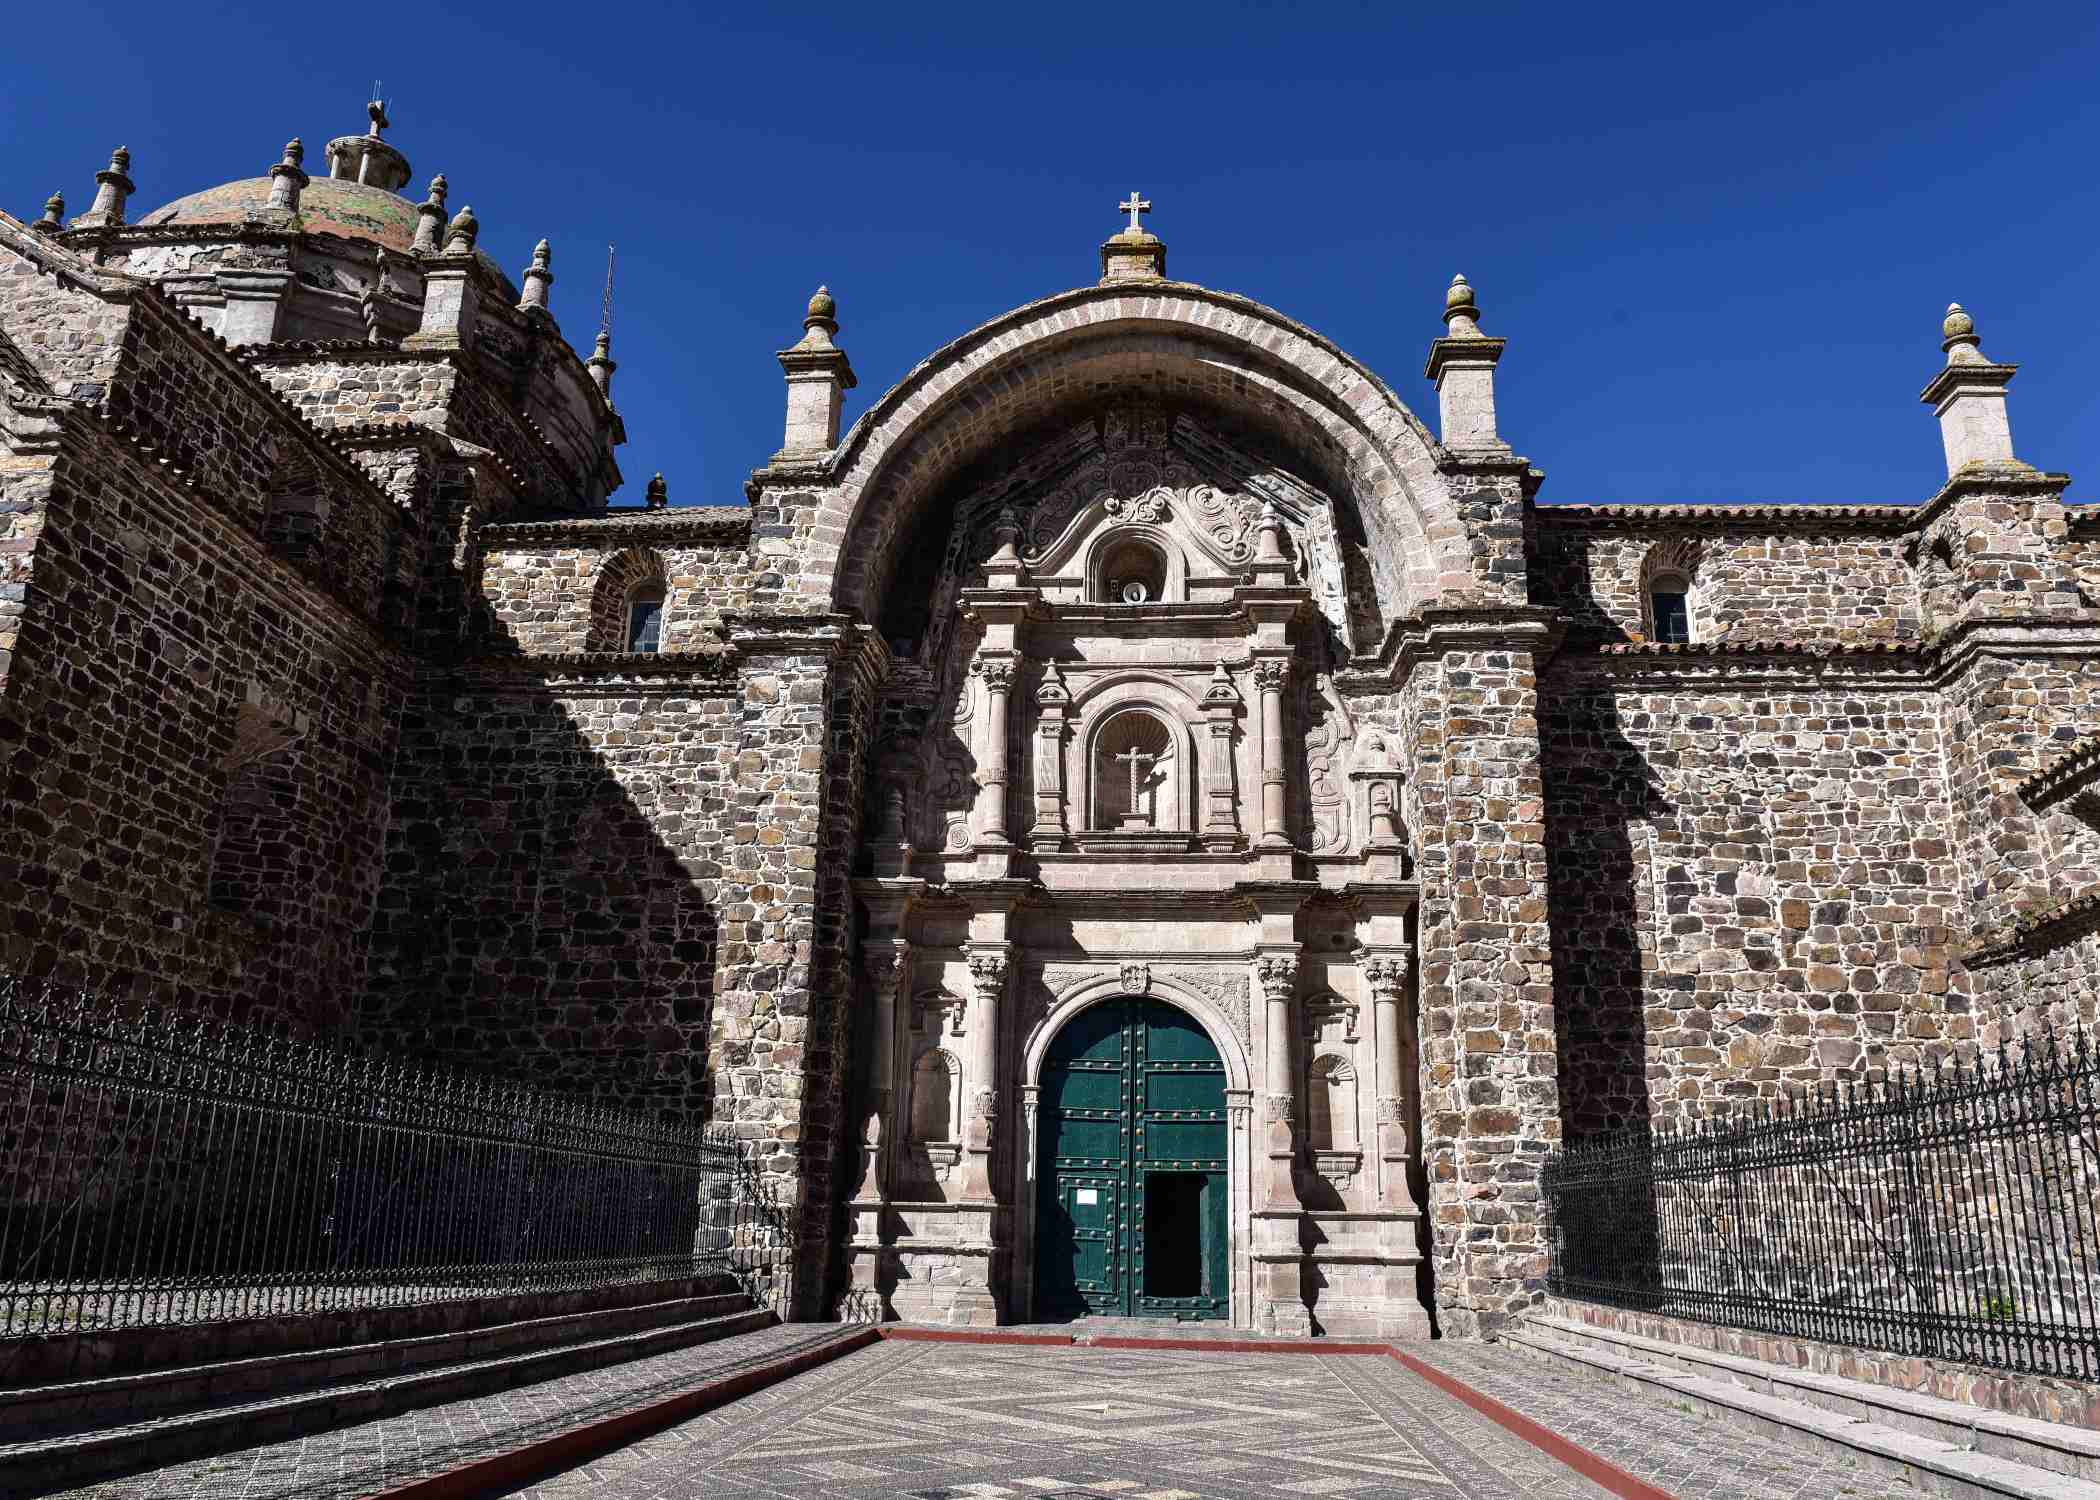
(1597, 1470)
(579, 1444)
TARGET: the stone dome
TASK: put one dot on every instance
(328, 205)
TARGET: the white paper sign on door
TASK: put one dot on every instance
(1087, 1195)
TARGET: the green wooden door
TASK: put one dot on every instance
(1130, 1207)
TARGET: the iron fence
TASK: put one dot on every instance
(160, 1171)
(1949, 1213)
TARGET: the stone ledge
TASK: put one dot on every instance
(2027, 1397)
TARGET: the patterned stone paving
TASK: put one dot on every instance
(911, 1421)
(926, 1421)
(373, 1456)
(1671, 1445)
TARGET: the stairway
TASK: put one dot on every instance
(57, 1436)
(1934, 1446)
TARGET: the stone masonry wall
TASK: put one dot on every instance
(550, 596)
(562, 882)
(1754, 883)
(1489, 1112)
(159, 641)
(1749, 581)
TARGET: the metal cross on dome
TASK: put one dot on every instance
(1134, 205)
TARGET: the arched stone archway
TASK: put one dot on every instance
(1177, 343)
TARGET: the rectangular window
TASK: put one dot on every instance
(645, 621)
(1673, 618)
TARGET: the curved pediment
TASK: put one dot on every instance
(1141, 469)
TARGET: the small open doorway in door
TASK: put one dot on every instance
(1184, 1236)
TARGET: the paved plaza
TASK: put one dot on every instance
(915, 1421)
(908, 1420)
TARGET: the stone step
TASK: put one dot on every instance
(70, 1455)
(1928, 1465)
(57, 1408)
(2055, 1446)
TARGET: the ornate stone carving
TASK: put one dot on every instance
(1386, 972)
(1221, 691)
(1327, 737)
(884, 967)
(1279, 975)
(1226, 988)
(929, 1007)
(997, 672)
(1052, 688)
(1149, 508)
(984, 1103)
(1271, 673)
(1391, 1110)
(1279, 1108)
(1327, 1009)
(988, 973)
(1137, 979)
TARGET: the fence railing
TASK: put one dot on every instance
(157, 1171)
(1949, 1213)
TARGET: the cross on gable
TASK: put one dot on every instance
(1134, 205)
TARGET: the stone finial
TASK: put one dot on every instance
(601, 366)
(1461, 313)
(1959, 340)
(113, 186)
(375, 111)
(538, 277)
(823, 315)
(288, 178)
(658, 495)
(1462, 363)
(818, 376)
(430, 217)
(1133, 253)
(54, 218)
(461, 233)
(1968, 396)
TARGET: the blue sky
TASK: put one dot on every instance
(1718, 240)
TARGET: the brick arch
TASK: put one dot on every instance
(618, 578)
(1174, 343)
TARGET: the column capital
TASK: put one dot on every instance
(1278, 972)
(1386, 971)
(988, 970)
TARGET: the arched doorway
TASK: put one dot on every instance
(1130, 1209)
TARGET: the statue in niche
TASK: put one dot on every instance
(1327, 737)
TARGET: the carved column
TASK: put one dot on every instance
(998, 675)
(1270, 674)
(887, 965)
(1386, 973)
(1221, 705)
(1278, 972)
(988, 969)
(1054, 707)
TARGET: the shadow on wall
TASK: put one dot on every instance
(536, 916)
(1601, 898)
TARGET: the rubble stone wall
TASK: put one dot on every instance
(570, 595)
(159, 639)
(1750, 581)
(1754, 883)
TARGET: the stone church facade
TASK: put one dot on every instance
(1139, 825)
